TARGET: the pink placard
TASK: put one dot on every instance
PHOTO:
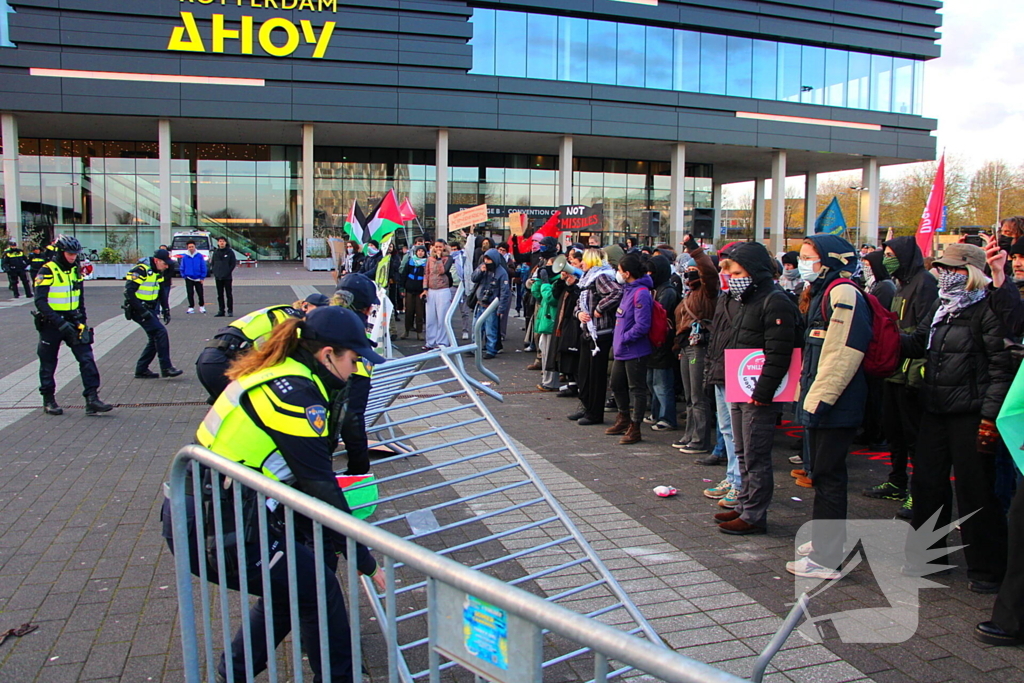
(743, 368)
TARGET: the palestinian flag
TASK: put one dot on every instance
(355, 225)
(385, 218)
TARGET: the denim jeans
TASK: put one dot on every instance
(662, 383)
(490, 330)
(732, 468)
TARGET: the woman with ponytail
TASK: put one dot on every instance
(280, 416)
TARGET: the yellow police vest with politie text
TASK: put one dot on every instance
(229, 431)
(148, 280)
(65, 286)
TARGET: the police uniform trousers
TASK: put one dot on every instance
(211, 369)
(158, 344)
(353, 426)
(13, 276)
(338, 634)
(50, 340)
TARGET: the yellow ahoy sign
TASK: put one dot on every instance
(277, 37)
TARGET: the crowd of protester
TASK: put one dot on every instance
(899, 353)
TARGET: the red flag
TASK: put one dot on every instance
(931, 219)
(408, 213)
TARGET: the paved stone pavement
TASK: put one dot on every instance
(81, 554)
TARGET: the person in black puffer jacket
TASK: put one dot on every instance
(661, 374)
(967, 374)
(767, 320)
(916, 292)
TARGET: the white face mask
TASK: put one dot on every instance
(619, 278)
(807, 271)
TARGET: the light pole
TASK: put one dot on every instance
(858, 189)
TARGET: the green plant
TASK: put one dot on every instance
(110, 255)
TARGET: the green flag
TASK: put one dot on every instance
(1011, 420)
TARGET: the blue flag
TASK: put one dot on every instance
(831, 219)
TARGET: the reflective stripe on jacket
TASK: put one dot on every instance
(65, 286)
(148, 281)
(229, 431)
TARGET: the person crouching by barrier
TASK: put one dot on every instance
(357, 293)
(280, 417)
(247, 332)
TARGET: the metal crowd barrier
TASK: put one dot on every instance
(471, 538)
(449, 589)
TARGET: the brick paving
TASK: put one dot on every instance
(81, 554)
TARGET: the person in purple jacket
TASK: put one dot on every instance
(631, 348)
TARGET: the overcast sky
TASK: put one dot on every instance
(976, 88)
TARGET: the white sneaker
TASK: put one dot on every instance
(191, 310)
(650, 419)
(805, 549)
(661, 426)
(811, 570)
(202, 309)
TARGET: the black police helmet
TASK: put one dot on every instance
(68, 243)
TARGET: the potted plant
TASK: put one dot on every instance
(116, 259)
(318, 256)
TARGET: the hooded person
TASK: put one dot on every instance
(661, 364)
(545, 315)
(790, 279)
(692, 320)
(833, 390)
(877, 279)
(491, 282)
(916, 291)
(766, 321)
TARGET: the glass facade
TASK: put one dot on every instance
(592, 51)
(107, 193)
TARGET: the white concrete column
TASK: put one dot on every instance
(441, 185)
(716, 205)
(759, 209)
(565, 171)
(810, 202)
(307, 184)
(870, 201)
(12, 212)
(777, 241)
(164, 139)
(677, 205)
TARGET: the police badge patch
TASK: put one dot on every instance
(317, 416)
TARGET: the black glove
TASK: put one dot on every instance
(167, 319)
(145, 314)
(68, 332)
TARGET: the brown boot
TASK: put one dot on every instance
(727, 516)
(632, 434)
(620, 426)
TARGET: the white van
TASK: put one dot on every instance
(203, 240)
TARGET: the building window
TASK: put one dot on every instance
(551, 47)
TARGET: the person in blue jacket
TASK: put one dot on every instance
(193, 269)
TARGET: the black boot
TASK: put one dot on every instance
(94, 406)
(170, 372)
(50, 406)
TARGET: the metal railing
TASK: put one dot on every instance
(449, 587)
(458, 491)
